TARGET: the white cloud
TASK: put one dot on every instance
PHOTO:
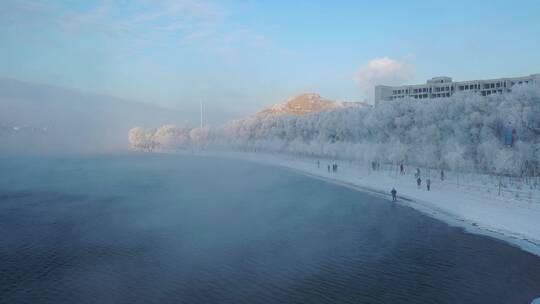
(385, 71)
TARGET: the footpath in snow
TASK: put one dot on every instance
(513, 216)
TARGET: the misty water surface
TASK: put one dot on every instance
(187, 229)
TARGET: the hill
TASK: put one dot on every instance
(308, 103)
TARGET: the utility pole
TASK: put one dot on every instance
(200, 101)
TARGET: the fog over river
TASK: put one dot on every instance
(143, 228)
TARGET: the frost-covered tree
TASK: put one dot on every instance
(462, 132)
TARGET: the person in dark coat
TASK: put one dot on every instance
(419, 182)
(428, 184)
(442, 175)
(394, 194)
(401, 170)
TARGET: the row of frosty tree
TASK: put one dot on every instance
(495, 134)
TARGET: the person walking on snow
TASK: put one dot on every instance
(442, 175)
(328, 168)
(419, 182)
(318, 164)
(428, 184)
(394, 194)
(401, 171)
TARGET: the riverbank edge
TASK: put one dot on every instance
(282, 161)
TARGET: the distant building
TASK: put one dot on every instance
(439, 87)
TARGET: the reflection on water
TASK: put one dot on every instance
(185, 229)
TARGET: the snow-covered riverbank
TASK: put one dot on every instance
(477, 209)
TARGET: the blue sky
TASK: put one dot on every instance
(238, 56)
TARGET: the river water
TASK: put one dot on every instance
(185, 229)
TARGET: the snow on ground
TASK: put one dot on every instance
(477, 208)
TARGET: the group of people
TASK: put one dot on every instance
(418, 181)
(333, 167)
(376, 165)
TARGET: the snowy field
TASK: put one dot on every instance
(474, 204)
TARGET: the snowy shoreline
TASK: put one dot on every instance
(508, 219)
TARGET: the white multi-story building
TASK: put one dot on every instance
(440, 87)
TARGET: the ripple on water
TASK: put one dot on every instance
(284, 239)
